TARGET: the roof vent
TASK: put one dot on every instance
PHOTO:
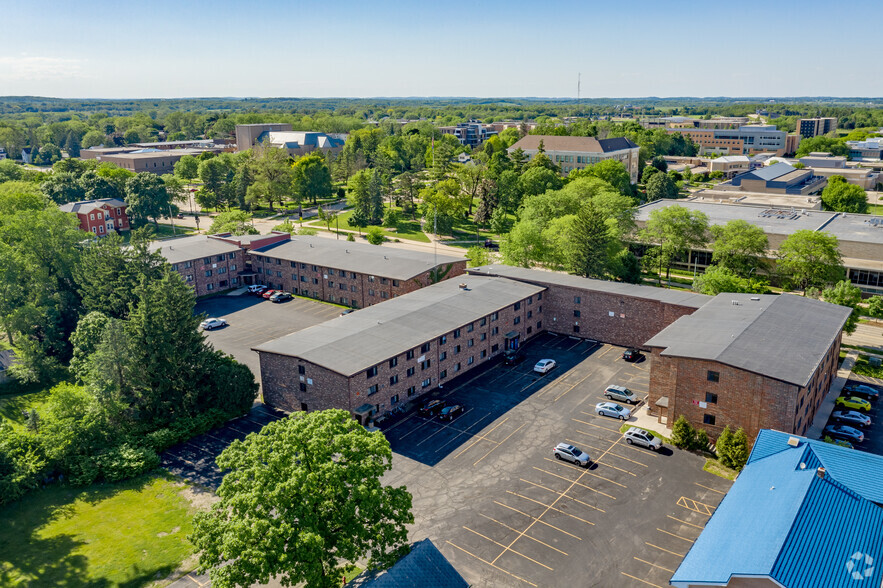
(793, 441)
(347, 250)
(385, 257)
(802, 466)
(463, 287)
(821, 473)
(735, 302)
(755, 298)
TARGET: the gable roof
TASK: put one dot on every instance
(768, 173)
(805, 527)
(576, 144)
(757, 333)
(424, 566)
(89, 205)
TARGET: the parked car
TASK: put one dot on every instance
(347, 311)
(851, 417)
(632, 355)
(212, 323)
(620, 393)
(268, 293)
(449, 413)
(862, 391)
(844, 432)
(280, 297)
(636, 436)
(179, 215)
(853, 402)
(257, 289)
(614, 410)
(512, 358)
(571, 454)
(543, 366)
(432, 408)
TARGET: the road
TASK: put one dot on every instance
(866, 335)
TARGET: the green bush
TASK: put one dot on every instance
(740, 449)
(374, 235)
(724, 447)
(350, 237)
(391, 218)
(82, 470)
(683, 434)
(701, 441)
(126, 461)
(162, 439)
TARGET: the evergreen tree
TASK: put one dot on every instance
(592, 243)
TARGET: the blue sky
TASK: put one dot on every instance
(167, 48)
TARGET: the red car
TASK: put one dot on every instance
(268, 293)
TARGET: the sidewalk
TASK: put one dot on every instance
(827, 406)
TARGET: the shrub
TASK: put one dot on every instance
(724, 447)
(374, 235)
(162, 439)
(350, 237)
(683, 434)
(740, 449)
(82, 470)
(391, 218)
(307, 231)
(126, 461)
(701, 441)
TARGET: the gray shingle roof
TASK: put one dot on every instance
(87, 205)
(424, 567)
(568, 143)
(189, 248)
(678, 297)
(357, 341)
(398, 264)
(783, 337)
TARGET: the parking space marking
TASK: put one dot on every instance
(599, 462)
(695, 506)
(173, 456)
(594, 425)
(685, 522)
(482, 437)
(497, 543)
(548, 507)
(557, 398)
(490, 564)
(499, 443)
(707, 488)
(640, 580)
(613, 454)
(666, 550)
(526, 536)
(578, 483)
(655, 565)
(464, 432)
(674, 535)
(415, 429)
(586, 473)
(443, 427)
(562, 494)
(536, 520)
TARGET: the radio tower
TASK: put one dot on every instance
(578, 81)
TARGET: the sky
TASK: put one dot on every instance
(481, 48)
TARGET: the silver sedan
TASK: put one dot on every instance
(614, 410)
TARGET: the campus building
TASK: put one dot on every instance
(102, 217)
(745, 140)
(779, 178)
(156, 161)
(471, 134)
(369, 361)
(247, 135)
(343, 272)
(868, 150)
(801, 514)
(571, 153)
(813, 127)
(749, 361)
(280, 136)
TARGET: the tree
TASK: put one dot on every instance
(845, 294)
(594, 247)
(611, 171)
(675, 231)
(374, 235)
(237, 222)
(365, 197)
(478, 256)
(92, 139)
(740, 449)
(841, 196)
(875, 306)
(660, 186)
(187, 168)
(822, 144)
(305, 496)
(537, 180)
(648, 172)
(147, 197)
(659, 163)
(738, 246)
(214, 175)
(683, 435)
(717, 279)
(809, 258)
(724, 447)
(96, 186)
(311, 178)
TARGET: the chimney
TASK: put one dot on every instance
(821, 473)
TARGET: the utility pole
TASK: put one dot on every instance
(578, 83)
(171, 218)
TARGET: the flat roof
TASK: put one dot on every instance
(192, 247)
(757, 333)
(398, 264)
(864, 228)
(763, 199)
(156, 153)
(679, 297)
(355, 342)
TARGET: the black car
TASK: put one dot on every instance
(862, 391)
(432, 408)
(280, 297)
(449, 413)
(512, 358)
(632, 355)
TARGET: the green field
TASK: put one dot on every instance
(15, 398)
(406, 229)
(127, 534)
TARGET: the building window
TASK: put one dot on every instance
(206, 260)
(411, 371)
(576, 314)
(189, 277)
(456, 350)
(393, 380)
(471, 360)
(517, 306)
(495, 348)
(443, 375)
(494, 316)
(517, 320)
(394, 399)
(372, 390)
(708, 419)
(303, 387)
(425, 365)
(483, 353)
(470, 327)
(540, 296)
(482, 337)
(471, 342)
(495, 331)
(210, 287)
(393, 362)
(424, 348)
(456, 333)
(426, 383)
(395, 283)
(577, 300)
(412, 390)
(711, 398)
(301, 369)
(576, 328)
(409, 354)
(443, 356)
(482, 322)
(371, 372)
(714, 376)
(370, 278)
(443, 339)
(208, 273)
(384, 295)
(456, 367)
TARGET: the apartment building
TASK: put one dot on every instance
(471, 134)
(102, 217)
(571, 153)
(207, 264)
(813, 127)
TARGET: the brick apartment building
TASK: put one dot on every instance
(209, 265)
(369, 361)
(352, 274)
(101, 217)
(747, 361)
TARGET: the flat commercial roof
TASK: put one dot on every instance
(157, 153)
(398, 264)
(360, 340)
(193, 247)
(864, 228)
(678, 297)
(782, 337)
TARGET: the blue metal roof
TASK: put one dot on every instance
(766, 173)
(805, 530)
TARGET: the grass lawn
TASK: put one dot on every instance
(15, 398)
(864, 368)
(125, 534)
(406, 229)
(713, 466)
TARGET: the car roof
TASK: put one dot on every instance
(618, 388)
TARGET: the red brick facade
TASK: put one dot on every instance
(103, 219)
(212, 274)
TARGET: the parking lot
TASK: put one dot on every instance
(253, 320)
(873, 442)
(489, 492)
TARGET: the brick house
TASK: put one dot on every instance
(101, 217)
(209, 265)
(351, 274)
(369, 361)
(747, 361)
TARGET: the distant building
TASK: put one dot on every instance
(247, 135)
(745, 140)
(813, 127)
(572, 153)
(869, 149)
(471, 134)
(792, 142)
(802, 514)
(821, 159)
(207, 264)
(27, 155)
(101, 217)
(299, 143)
(2, 153)
(205, 144)
(779, 178)
(729, 165)
(157, 161)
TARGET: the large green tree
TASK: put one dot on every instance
(717, 279)
(237, 222)
(302, 499)
(739, 246)
(148, 198)
(660, 186)
(845, 293)
(365, 196)
(841, 196)
(809, 259)
(673, 232)
(593, 246)
(311, 178)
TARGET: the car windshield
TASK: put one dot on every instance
(616, 407)
(649, 436)
(576, 451)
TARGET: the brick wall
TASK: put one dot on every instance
(435, 362)
(224, 270)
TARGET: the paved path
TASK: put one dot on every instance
(827, 406)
